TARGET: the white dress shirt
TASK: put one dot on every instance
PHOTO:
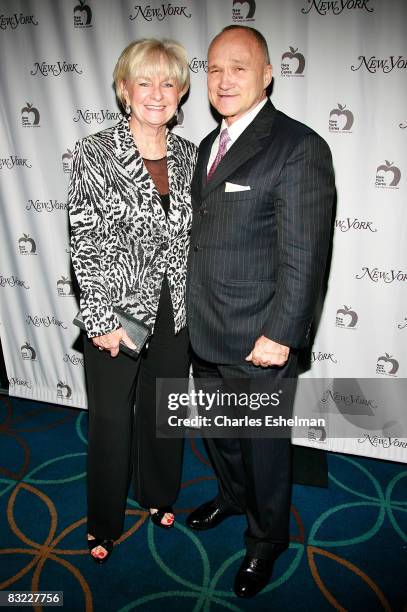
(234, 130)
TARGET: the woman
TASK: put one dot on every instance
(130, 214)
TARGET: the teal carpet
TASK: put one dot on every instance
(348, 542)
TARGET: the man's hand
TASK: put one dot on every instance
(267, 353)
(111, 341)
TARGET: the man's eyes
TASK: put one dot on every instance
(217, 70)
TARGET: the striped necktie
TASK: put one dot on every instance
(223, 143)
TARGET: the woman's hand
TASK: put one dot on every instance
(111, 341)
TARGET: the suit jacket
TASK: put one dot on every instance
(122, 244)
(257, 257)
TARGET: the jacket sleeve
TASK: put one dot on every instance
(305, 195)
(85, 204)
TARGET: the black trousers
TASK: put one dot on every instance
(254, 474)
(122, 414)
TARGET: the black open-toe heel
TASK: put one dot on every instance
(158, 516)
(107, 545)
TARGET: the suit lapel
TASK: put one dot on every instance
(249, 143)
(139, 178)
(176, 181)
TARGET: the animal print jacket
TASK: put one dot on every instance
(122, 244)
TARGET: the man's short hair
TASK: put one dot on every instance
(255, 33)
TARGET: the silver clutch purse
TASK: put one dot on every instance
(137, 331)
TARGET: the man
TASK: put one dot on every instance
(262, 197)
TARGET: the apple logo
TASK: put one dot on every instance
(388, 167)
(318, 434)
(387, 365)
(351, 317)
(251, 9)
(26, 245)
(67, 161)
(293, 54)
(65, 286)
(28, 352)
(83, 8)
(340, 112)
(63, 390)
(30, 115)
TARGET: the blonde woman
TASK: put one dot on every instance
(130, 213)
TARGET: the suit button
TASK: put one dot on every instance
(203, 211)
(196, 248)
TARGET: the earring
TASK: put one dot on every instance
(127, 109)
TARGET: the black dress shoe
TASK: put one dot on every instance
(208, 515)
(253, 575)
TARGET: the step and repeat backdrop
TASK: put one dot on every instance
(340, 66)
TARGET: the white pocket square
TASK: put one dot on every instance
(230, 187)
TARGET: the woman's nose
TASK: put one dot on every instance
(157, 93)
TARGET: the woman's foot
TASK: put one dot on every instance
(162, 517)
(99, 549)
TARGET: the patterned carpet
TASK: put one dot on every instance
(348, 542)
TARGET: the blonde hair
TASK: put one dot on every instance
(142, 58)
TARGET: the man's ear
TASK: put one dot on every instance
(268, 75)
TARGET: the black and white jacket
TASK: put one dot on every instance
(122, 244)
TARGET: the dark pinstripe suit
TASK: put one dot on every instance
(256, 264)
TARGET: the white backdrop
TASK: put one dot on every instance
(339, 66)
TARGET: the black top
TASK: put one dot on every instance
(165, 202)
(158, 172)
